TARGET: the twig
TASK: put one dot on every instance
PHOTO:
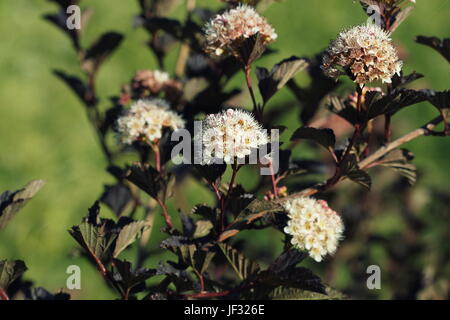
(166, 215)
(422, 131)
(248, 80)
(184, 50)
(274, 181)
(225, 201)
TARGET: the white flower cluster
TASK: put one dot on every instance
(226, 31)
(313, 226)
(364, 51)
(146, 120)
(231, 134)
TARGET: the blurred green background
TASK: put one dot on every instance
(44, 132)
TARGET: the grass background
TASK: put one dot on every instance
(44, 132)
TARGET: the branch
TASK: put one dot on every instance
(422, 131)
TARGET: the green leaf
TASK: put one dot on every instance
(271, 82)
(128, 235)
(10, 271)
(243, 267)
(324, 137)
(12, 202)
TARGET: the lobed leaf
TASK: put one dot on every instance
(128, 235)
(243, 267)
(270, 82)
(324, 137)
(12, 202)
(10, 271)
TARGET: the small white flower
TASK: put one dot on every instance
(314, 227)
(146, 119)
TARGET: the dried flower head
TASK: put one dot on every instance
(313, 226)
(395, 2)
(365, 52)
(146, 119)
(226, 32)
(231, 134)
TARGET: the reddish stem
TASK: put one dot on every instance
(157, 156)
(165, 213)
(208, 294)
(202, 281)
(3, 295)
(256, 111)
(387, 128)
(225, 201)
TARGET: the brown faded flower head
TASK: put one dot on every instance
(156, 82)
(365, 53)
(225, 32)
(152, 80)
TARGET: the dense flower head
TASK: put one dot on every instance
(314, 227)
(146, 119)
(225, 32)
(365, 52)
(231, 134)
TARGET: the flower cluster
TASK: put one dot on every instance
(146, 119)
(231, 134)
(225, 32)
(313, 226)
(365, 52)
(155, 82)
